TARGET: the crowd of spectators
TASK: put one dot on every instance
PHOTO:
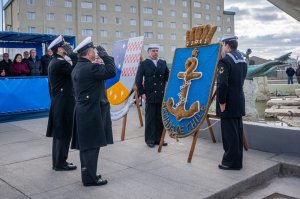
(27, 65)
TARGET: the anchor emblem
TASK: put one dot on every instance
(179, 111)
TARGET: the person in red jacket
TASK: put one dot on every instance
(19, 68)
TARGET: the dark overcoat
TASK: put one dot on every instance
(92, 121)
(62, 98)
(155, 78)
(230, 81)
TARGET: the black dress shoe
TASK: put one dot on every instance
(225, 167)
(150, 145)
(68, 167)
(99, 182)
(164, 144)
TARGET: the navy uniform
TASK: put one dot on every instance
(231, 75)
(62, 105)
(92, 122)
(155, 74)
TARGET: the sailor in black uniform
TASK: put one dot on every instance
(155, 73)
(230, 102)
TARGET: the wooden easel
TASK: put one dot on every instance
(195, 136)
(124, 121)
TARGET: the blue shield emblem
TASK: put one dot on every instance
(189, 89)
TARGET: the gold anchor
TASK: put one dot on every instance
(179, 111)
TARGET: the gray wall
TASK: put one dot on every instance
(264, 137)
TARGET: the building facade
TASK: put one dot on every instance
(161, 21)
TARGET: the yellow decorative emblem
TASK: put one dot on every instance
(179, 111)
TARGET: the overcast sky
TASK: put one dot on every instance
(264, 28)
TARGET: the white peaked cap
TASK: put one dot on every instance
(56, 42)
(226, 38)
(85, 44)
(153, 46)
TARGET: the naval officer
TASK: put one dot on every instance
(92, 122)
(230, 102)
(62, 103)
(151, 79)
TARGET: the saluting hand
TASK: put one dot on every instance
(101, 51)
(222, 107)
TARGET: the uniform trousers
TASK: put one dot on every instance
(60, 151)
(154, 125)
(89, 161)
(232, 138)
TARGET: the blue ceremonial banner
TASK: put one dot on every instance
(189, 89)
(118, 53)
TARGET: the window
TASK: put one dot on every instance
(148, 35)
(197, 4)
(50, 16)
(228, 19)
(160, 36)
(87, 32)
(159, 12)
(184, 3)
(185, 26)
(31, 29)
(173, 36)
(103, 20)
(159, 1)
(219, 29)
(218, 8)
(173, 24)
(132, 34)
(218, 18)
(68, 17)
(68, 31)
(133, 22)
(173, 48)
(148, 22)
(197, 15)
(87, 5)
(207, 6)
(132, 9)
(103, 33)
(50, 30)
(228, 29)
(207, 17)
(104, 45)
(148, 1)
(68, 4)
(118, 8)
(50, 3)
(103, 7)
(173, 13)
(31, 15)
(30, 2)
(148, 10)
(87, 18)
(160, 24)
(184, 14)
(118, 34)
(172, 2)
(118, 20)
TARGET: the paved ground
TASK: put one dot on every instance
(133, 170)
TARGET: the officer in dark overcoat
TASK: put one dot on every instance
(151, 79)
(230, 102)
(92, 122)
(62, 104)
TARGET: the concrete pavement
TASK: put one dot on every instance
(133, 170)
